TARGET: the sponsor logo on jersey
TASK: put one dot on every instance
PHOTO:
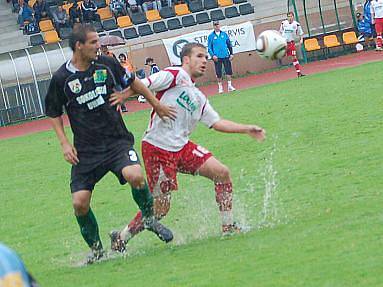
(100, 76)
(75, 86)
(93, 98)
(185, 102)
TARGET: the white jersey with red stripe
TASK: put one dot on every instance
(377, 8)
(291, 31)
(174, 87)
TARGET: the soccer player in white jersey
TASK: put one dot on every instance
(292, 31)
(377, 19)
(166, 148)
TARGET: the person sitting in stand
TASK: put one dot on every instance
(75, 14)
(89, 10)
(25, 15)
(60, 18)
(118, 7)
(151, 5)
(133, 7)
(41, 10)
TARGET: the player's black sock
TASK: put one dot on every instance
(144, 200)
(89, 229)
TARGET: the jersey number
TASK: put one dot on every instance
(133, 155)
(200, 151)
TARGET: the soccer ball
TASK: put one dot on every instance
(271, 45)
(141, 99)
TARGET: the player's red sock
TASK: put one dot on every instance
(297, 66)
(134, 227)
(379, 41)
(224, 199)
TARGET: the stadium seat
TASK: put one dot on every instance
(224, 3)
(67, 6)
(217, 15)
(51, 37)
(65, 33)
(202, 18)
(195, 6)
(109, 24)
(100, 3)
(36, 40)
(159, 27)
(104, 13)
(331, 41)
(139, 18)
(246, 9)
(124, 21)
(210, 4)
(231, 12)
(116, 33)
(167, 12)
(145, 30)
(31, 3)
(181, 9)
(311, 45)
(350, 38)
(130, 33)
(153, 15)
(188, 21)
(174, 24)
(46, 25)
(239, 1)
(98, 27)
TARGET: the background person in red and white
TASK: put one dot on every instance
(377, 19)
(292, 31)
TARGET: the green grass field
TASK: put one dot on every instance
(312, 195)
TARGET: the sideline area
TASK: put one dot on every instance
(350, 60)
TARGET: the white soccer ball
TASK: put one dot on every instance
(271, 45)
(141, 99)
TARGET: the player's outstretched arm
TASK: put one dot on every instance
(69, 151)
(227, 126)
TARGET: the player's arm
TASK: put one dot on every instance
(227, 126)
(229, 47)
(300, 34)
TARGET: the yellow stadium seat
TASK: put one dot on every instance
(105, 13)
(51, 37)
(124, 21)
(331, 41)
(46, 25)
(350, 38)
(223, 3)
(153, 15)
(66, 7)
(312, 45)
(181, 9)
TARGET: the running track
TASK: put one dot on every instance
(241, 83)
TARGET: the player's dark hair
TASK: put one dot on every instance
(188, 48)
(290, 13)
(79, 34)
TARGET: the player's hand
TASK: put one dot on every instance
(70, 153)
(231, 57)
(165, 112)
(256, 132)
(215, 58)
(119, 98)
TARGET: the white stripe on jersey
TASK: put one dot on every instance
(377, 8)
(292, 31)
(175, 88)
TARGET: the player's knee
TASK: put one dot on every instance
(136, 180)
(81, 207)
(223, 174)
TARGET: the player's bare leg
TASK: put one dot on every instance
(220, 174)
(88, 224)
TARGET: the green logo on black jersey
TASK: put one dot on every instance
(100, 76)
(185, 102)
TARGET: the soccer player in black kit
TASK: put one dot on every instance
(102, 143)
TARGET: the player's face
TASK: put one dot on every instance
(90, 48)
(197, 62)
(290, 18)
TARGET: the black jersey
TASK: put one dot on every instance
(96, 125)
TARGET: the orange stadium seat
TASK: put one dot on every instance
(223, 3)
(51, 37)
(105, 13)
(350, 38)
(66, 7)
(124, 21)
(312, 45)
(153, 15)
(46, 25)
(181, 9)
(331, 41)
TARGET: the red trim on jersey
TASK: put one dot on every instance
(161, 93)
(150, 82)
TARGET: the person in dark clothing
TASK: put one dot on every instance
(102, 143)
(89, 10)
(41, 10)
(75, 14)
(60, 18)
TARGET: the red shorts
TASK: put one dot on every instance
(379, 25)
(291, 50)
(162, 166)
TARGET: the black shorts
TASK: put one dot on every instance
(93, 167)
(227, 65)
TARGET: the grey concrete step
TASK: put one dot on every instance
(11, 37)
(14, 47)
(9, 29)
